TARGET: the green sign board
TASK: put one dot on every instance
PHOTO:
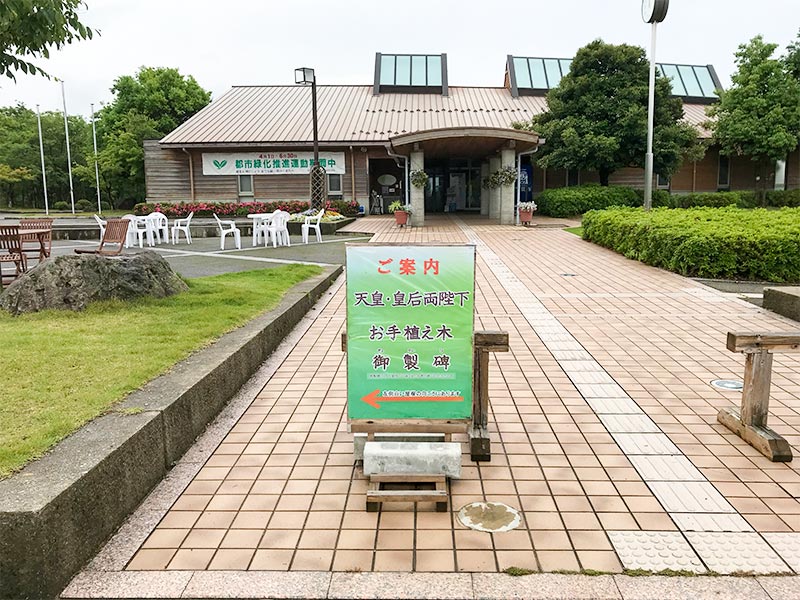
(410, 322)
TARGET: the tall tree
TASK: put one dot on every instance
(597, 115)
(30, 28)
(19, 149)
(147, 105)
(759, 116)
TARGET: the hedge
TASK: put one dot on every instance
(570, 201)
(718, 243)
(576, 200)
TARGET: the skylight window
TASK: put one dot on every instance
(424, 73)
(697, 82)
(535, 76)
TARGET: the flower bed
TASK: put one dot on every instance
(227, 209)
(728, 243)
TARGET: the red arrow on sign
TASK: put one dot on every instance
(372, 399)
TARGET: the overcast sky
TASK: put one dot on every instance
(226, 43)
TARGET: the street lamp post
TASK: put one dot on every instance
(653, 12)
(96, 168)
(306, 76)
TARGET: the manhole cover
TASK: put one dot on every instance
(728, 384)
(489, 516)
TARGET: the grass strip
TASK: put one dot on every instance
(61, 369)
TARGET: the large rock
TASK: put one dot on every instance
(72, 282)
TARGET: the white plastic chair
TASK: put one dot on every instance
(138, 228)
(182, 225)
(278, 230)
(158, 224)
(312, 222)
(102, 225)
(226, 227)
(260, 225)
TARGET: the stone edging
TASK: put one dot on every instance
(420, 586)
(58, 511)
(783, 300)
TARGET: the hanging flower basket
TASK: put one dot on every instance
(501, 177)
(419, 178)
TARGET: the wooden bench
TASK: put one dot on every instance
(750, 423)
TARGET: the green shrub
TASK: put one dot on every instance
(569, 201)
(782, 198)
(105, 205)
(61, 205)
(84, 205)
(726, 243)
(347, 208)
(713, 199)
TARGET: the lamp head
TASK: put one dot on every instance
(304, 76)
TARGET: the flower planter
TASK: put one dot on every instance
(401, 217)
(525, 217)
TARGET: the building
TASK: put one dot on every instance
(255, 142)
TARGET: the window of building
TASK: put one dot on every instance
(573, 177)
(425, 73)
(245, 185)
(724, 176)
(662, 182)
(335, 185)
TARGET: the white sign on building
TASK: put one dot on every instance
(270, 163)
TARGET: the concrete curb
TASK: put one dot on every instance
(783, 300)
(58, 511)
(252, 585)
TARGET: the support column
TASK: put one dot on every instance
(494, 193)
(508, 158)
(484, 191)
(417, 194)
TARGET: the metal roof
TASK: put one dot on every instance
(281, 115)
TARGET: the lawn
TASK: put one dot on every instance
(62, 369)
(576, 230)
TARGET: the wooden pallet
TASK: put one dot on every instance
(406, 488)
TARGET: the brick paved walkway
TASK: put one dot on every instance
(603, 425)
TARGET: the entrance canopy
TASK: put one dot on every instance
(465, 142)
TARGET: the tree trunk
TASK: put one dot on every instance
(604, 174)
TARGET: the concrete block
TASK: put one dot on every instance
(784, 301)
(420, 458)
(359, 439)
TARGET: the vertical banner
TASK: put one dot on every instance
(410, 323)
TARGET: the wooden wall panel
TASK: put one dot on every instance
(166, 173)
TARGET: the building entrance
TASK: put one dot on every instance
(453, 185)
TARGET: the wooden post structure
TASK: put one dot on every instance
(750, 423)
(485, 342)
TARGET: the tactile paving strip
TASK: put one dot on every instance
(666, 468)
(690, 496)
(629, 423)
(646, 443)
(710, 522)
(787, 545)
(727, 553)
(655, 551)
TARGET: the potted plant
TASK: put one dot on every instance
(400, 211)
(526, 210)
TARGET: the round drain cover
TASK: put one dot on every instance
(728, 384)
(489, 516)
